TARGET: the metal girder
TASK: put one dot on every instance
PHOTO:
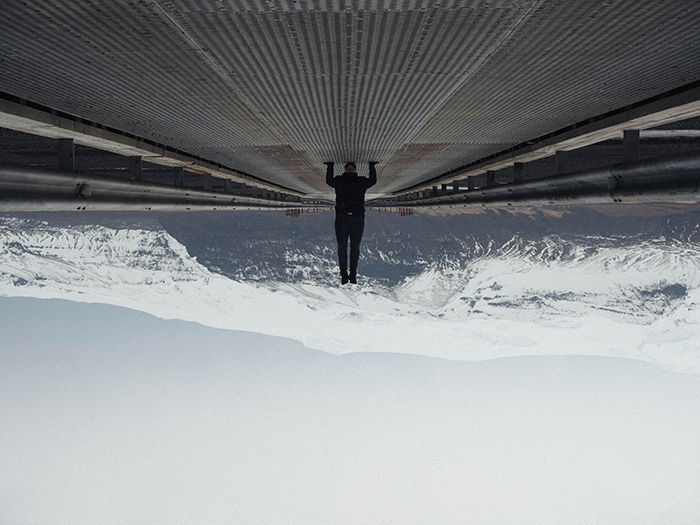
(33, 189)
(630, 143)
(673, 178)
(21, 115)
(274, 88)
(680, 104)
(669, 133)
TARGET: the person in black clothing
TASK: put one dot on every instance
(349, 214)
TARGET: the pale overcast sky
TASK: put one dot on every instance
(114, 416)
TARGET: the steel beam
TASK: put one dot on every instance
(630, 144)
(32, 189)
(673, 178)
(679, 104)
(274, 88)
(561, 162)
(518, 169)
(21, 115)
(66, 154)
(180, 177)
(136, 168)
(670, 133)
(490, 178)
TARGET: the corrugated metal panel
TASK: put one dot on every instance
(274, 88)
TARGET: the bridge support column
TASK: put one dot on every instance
(561, 162)
(490, 178)
(630, 144)
(518, 169)
(66, 154)
(136, 168)
(180, 176)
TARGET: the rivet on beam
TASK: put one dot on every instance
(83, 190)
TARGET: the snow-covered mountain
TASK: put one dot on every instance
(459, 291)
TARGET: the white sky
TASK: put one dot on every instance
(113, 416)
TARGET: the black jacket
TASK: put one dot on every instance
(350, 189)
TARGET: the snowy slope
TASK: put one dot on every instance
(552, 296)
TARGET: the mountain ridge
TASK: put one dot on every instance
(594, 295)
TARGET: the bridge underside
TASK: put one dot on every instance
(249, 98)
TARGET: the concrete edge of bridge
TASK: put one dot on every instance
(26, 189)
(24, 116)
(679, 104)
(672, 178)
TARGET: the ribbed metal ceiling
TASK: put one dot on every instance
(274, 88)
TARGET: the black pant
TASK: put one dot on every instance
(349, 227)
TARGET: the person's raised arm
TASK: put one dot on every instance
(329, 174)
(372, 174)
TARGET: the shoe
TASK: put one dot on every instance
(344, 277)
(353, 278)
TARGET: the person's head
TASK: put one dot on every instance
(350, 167)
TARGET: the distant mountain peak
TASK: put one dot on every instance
(468, 289)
